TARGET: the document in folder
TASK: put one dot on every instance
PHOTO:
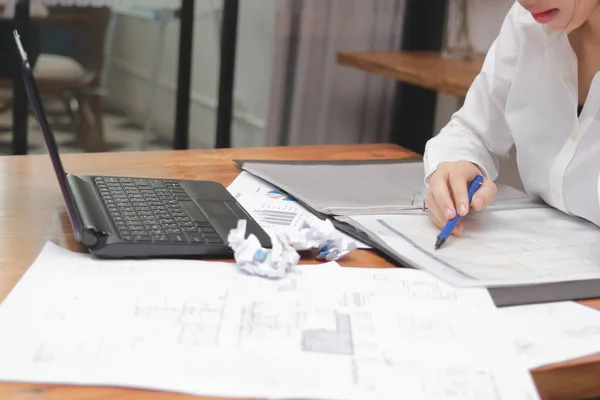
(496, 248)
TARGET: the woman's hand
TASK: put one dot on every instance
(447, 192)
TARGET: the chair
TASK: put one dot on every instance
(75, 81)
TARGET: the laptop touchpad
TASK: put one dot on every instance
(216, 209)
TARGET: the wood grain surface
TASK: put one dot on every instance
(420, 68)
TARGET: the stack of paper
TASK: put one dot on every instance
(270, 207)
(203, 328)
(549, 333)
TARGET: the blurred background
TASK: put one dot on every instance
(261, 72)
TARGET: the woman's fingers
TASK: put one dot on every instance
(438, 187)
(437, 216)
(484, 196)
(448, 193)
(459, 182)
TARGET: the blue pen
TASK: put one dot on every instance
(451, 224)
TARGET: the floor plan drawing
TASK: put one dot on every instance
(338, 341)
(209, 329)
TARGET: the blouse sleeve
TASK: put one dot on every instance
(478, 131)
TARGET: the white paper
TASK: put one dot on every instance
(553, 332)
(271, 208)
(496, 248)
(203, 328)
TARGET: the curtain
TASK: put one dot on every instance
(313, 99)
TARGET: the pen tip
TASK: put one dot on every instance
(439, 242)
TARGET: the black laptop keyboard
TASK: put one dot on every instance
(150, 210)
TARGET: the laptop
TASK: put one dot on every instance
(138, 217)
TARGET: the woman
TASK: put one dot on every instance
(538, 90)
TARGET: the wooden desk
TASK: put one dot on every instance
(426, 69)
(32, 211)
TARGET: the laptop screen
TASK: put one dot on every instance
(51, 145)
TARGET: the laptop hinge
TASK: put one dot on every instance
(82, 192)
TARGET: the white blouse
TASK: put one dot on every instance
(527, 95)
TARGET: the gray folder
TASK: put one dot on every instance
(357, 187)
(337, 188)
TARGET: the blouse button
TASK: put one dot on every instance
(555, 194)
(575, 133)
